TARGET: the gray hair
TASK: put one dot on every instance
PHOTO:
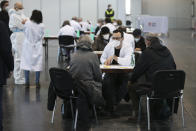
(85, 42)
(85, 39)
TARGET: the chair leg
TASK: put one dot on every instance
(95, 113)
(76, 120)
(173, 105)
(72, 112)
(140, 111)
(52, 120)
(148, 112)
(181, 101)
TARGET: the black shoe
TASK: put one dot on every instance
(38, 85)
(27, 85)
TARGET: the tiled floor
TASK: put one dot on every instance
(26, 109)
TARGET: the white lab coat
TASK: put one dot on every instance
(110, 26)
(32, 52)
(128, 38)
(17, 39)
(75, 25)
(67, 30)
(85, 26)
(124, 56)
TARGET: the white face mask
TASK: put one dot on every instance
(19, 12)
(116, 43)
(115, 24)
(98, 24)
(137, 39)
(7, 8)
(106, 37)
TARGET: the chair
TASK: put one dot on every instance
(66, 44)
(63, 85)
(166, 84)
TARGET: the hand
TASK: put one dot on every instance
(109, 60)
(137, 49)
(10, 74)
(24, 21)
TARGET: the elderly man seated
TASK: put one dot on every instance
(85, 69)
(118, 52)
(154, 58)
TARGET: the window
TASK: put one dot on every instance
(128, 7)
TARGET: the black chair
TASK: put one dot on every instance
(66, 43)
(166, 84)
(63, 85)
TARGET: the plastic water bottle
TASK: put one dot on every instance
(78, 33)
(133, 60)
(47, 33)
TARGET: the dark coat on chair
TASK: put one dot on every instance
(6, 58)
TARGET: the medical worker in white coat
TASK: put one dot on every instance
(117, 52)
(32, 53)
(16, 25)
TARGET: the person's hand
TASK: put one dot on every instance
(10, 74)
(137, 49)
(109, 60)
(24, 21)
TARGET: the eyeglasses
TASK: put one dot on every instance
(116, 38)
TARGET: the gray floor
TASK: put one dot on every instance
(26, 109)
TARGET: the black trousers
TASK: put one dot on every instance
(1, 108)
(114, 89)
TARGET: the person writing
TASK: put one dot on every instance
(116, 52)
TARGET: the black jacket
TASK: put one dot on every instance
(154, 58)
(4, 16)
(6, 58)
(140, 44)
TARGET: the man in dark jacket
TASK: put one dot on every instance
(4, 16)
(155, 57)
(139, 40)
(6, 61)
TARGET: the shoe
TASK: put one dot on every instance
(19, 82)
(38, 85)
(27, 84)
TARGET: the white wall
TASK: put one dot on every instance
(56, 11)
(178, 11)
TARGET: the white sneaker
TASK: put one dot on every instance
(19, 82)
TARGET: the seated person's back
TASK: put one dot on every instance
(84, 64)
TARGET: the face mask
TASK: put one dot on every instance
(115, 24)
(19, 12)
(106, 37)
(7, 8)
(98, 24)
(116, 43)
(137, 39)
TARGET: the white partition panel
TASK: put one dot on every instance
(88, 10)
(30, 5)
(69, 8)
(51, 16)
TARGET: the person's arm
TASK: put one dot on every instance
(6, 47)
(126, 60)
(141, 66)
(104, 55)
(96, 69)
